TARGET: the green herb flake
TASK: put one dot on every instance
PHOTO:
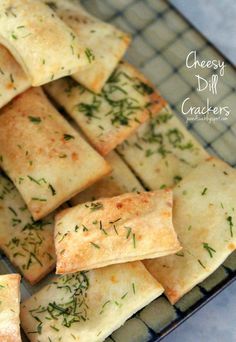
(96, 206)
(143, 88)
(52, 5)
(163, 186)
(103, 306)
(114, 227)
(111, 222)
(12, 78)
(90, 109)
(37, 181)
(128, 232)
(85, 229)
(13, 211)
(62, 155)
(177, 179)
(95, 245)
(209, 249)
(149, 152)
(203, 266)
(134, 240)
(123, 297)
(68, 137)
(39, 199)
(229, 219)
(35, 119)
(65, 312)
(101, 228)
(90, 55)
(53, 191)
(54, 328)
(13, 35)
(180, 254)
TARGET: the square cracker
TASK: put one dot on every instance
(120, 180)
(162, 151)
(127, 100)
(13, 80)
(105, 44)
(30, 30)
(10, 308)
(115, 230)
(204, 217)
(88, 306)
(28, 244)
(47, 160)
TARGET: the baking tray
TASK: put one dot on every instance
(161, 41)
